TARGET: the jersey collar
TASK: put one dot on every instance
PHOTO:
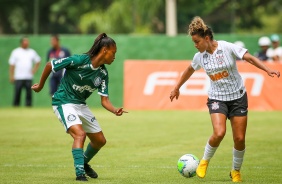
(93, 67)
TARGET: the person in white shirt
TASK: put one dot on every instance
(227, 97)
(24, 62)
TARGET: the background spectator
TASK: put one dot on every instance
(264, 53)
(21, 70)
(56, 52)
(240, 43)
(276, 50)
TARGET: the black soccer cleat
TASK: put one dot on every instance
(89, 171)
(81, 178)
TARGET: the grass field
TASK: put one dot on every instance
(142, 147)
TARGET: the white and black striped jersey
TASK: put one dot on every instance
(226, 84)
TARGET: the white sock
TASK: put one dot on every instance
(209, 152)
(238, 157)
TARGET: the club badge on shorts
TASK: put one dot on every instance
(215, 106)
(71, 117)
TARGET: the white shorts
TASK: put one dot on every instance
(74, 114)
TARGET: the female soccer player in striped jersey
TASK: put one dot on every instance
(84, 74)
(227, 96)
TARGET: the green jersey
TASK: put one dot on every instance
(80, 80)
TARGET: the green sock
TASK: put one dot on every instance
(89, 153)
(77, 154)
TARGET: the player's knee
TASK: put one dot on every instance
(79, 136)
(102, 142)
(219, 135)
(239, 140)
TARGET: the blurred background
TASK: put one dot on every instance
(136, 16)
(143, 29)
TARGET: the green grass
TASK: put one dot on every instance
(142, 147)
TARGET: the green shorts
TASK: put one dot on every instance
(74, 114)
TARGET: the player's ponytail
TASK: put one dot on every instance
(197, 26)
(102, 40)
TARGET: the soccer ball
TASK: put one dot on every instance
(187, 165)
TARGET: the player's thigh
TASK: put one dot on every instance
(219, 123)
(97, 139)
(89, 122)
(67, 115)
(218, 112)
(239, 126)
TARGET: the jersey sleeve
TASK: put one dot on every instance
(67, 62)
(238, 51)
(196, 62)
(103, 88)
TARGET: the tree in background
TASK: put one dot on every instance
(137, 16)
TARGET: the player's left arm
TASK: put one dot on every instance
(256, 62)
(106, 103)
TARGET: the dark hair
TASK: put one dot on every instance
(197, 26)
(56, 36)
(23, 38)
(101, 41)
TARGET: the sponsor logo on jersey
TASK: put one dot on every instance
(103, 86)
(81, 89)
(59, 61)
(219, 52)
(97, 81)
(219, 75)
(81, 76)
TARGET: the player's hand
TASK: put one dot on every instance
(36, 87)
(174, 94)
(273, 72)
(119, 111)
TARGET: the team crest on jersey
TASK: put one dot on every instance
(219, 57)
(215, 106)
(97, 81)
(220, 60)
(71, 117)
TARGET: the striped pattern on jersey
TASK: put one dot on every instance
(226, 84)
(80, 80)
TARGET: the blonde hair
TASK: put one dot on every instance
(198, 26)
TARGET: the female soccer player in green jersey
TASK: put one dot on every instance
(84, 74)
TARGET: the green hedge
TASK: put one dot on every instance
(129, 47)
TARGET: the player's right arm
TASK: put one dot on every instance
(46, 72)
(185, 76)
